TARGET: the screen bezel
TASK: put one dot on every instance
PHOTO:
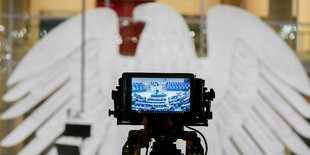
(137, 118)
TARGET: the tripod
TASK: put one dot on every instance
(164, 142)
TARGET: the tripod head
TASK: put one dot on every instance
(164, 141)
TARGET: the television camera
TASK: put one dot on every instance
(164, 103)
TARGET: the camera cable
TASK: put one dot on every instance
(147, 149)
(203, 137)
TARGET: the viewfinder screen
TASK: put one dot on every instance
(160, 95)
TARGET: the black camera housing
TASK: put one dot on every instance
(197, 115)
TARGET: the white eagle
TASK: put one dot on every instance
(259, 82)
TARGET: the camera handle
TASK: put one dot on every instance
(163, 144)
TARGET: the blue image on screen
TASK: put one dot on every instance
(160, 95)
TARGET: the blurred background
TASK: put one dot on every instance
(24, 22)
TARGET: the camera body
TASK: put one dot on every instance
(157, 98)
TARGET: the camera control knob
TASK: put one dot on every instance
(209, 95)
(111, 112)
(210, 115)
